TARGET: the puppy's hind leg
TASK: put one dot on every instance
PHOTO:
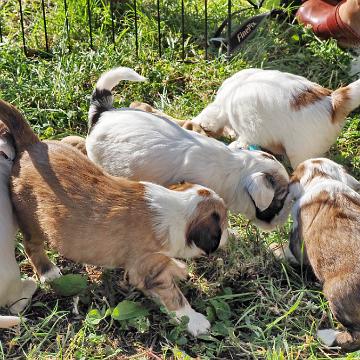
(45, 269)
(155, 275)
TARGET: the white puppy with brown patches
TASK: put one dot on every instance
(283, 113)
(326, 236)
(14, 291)
(143, 146)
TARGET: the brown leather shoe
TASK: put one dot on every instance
(323, 17)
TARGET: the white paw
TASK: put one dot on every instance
(198, 324)
(283, 252)
(9, 321)
(51, 275)
(29, 286)
(327, 336)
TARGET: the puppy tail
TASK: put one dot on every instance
(9, 321)
(345, 100)
(102, 99)
(18, 126)
(348, 341)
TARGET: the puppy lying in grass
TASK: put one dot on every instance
(283, 113)
(326, 236)
(143, 146)
(14, 291)
(62, 198)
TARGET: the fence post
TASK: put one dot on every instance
(45, 30)
(90, 27)
(67, 24)
(229, 28)
(183, 30)
(206, 30)
(136, 31)
(159, 30)
(22, 28)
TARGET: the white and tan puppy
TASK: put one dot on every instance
(62, 198)
(142, 146)
(283, 113)
(326, 236)
(14, 292)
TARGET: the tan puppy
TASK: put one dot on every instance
(326, 235)
(186, 124)
(90, 217)
(76, 141)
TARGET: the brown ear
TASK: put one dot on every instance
(205, 233)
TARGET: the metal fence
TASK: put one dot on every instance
(227, 24)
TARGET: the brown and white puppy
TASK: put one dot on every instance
(326, 236)
(76, 141)
(61, 197)
(186, 124)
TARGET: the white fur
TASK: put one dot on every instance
(327, 336)
(174, 210)
(111, 78)
(304, 191)
(50, 275)
(142, 146)
(198, 324)
(256, 104)
(14, 291)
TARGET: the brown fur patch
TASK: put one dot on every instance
(298, 174)
(275, 148)
(330, 231)
(204, 192)
(77, 142)
(340, 106)
(308, 96)
(183, 186)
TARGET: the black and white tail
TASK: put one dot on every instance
(102, 99)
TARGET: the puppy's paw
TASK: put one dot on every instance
(198, 324)
(282, 252)
(29, 286)
(50, 275)
(327, 336)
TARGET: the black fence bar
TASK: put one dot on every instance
(67, 24)
(159, 30)
(22, 26)
(112, 21)
(136, 31)
(90, 27)
(45, 30)
(1, 37)
(206, 30)
(182, 30)
(229, 28)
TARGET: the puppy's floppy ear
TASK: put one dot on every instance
(261, 189)
(352, 182)
(205, 233)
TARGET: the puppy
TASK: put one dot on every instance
(142, 146)
(326, 236)
(76, 141)
(283, 113)
(90, 217)
(186, 124)
(14, 292)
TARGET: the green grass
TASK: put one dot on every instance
(259, 308)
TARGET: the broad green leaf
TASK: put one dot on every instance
(94, 317)
(69, 285)
(128, 310)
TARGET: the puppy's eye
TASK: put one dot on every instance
(271, 179)
(4, 155)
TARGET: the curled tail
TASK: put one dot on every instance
(102, 99)
(345, 100)
(18, 126)
(9, 321)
